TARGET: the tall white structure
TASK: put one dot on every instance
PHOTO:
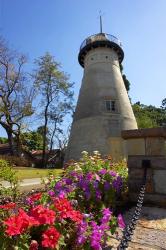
(103, 108)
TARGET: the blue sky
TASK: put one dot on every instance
(59, 26)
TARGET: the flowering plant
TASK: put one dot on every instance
(93, 179)
(76, 212)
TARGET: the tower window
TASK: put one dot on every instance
(110, 105)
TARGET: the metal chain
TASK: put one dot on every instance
(128, 231)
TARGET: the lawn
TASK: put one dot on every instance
(26, 173)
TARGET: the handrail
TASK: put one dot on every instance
(100, 37)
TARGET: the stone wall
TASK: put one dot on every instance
(147, 144)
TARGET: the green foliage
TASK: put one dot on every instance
(149, 116)
(126, 81)
(163, 104)
(3, 140)
(8, 174)
(32, 140)
(56, 98)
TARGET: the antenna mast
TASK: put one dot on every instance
(101, 28)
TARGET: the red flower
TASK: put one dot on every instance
(8, 206)
(76, 216)
(50, 238)
(43, 215)
(17, 224)
(34, 245)
(66, 210)
(34, 197)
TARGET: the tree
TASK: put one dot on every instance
(15, 95)
(32, 140)
(149, 116)
(126, 81)
(163, 104)
(56, 100)
(3, 140)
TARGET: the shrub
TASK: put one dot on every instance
(8, 174)
(16, 161)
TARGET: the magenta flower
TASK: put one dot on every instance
(106, 215)
(89, 176)
(121, 223)
(51, 193)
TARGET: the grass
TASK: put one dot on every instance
(27, 173)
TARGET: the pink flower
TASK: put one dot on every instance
(34, 245)
(97, 177)
(121, 223)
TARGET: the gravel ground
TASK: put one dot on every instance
(150, 232)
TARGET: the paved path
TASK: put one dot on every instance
(150, 232)
(25, 182)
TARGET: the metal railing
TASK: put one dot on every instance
(100, 37)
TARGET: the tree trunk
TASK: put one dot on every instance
(11, 142)
(44, 158)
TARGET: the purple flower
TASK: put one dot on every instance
(98, 194)
(121, 223)
(81, 233)
(58, 185)
(112, 173)
(68, 181)
(95, 184)
(107, 185)
(87, 193)
(102, 171)
(117, 183)
(81, 239)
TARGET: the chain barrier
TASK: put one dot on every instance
(128, 231)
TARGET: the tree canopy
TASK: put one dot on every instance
(15, 94)
(149, 116)
(56, 98)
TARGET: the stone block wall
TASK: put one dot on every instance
(147, 144)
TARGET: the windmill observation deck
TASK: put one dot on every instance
(100, 40)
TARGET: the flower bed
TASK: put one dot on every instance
(76, 212)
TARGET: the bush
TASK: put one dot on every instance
(8, 174)
(16, 161)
